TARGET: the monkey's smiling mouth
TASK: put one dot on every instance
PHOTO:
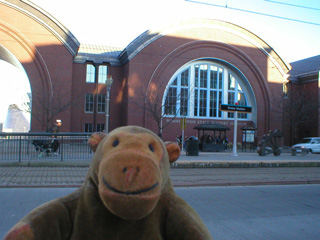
(129, 192)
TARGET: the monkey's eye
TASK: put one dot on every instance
(115, 143)
(151, 148)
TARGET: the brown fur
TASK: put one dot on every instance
(127, 195)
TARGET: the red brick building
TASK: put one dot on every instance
(185, 70)
(304, 112)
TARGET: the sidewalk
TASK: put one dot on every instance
(206, 169)
(204, 159)
(247, 159)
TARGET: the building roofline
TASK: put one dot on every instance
(47, 20)
(149, 36)
(98, 54)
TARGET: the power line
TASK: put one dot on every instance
(253, 12)
(294, 5)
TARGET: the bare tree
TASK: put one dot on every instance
(150, 100)
(299, 111)
(47, 111)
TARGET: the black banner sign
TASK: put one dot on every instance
(235, 108)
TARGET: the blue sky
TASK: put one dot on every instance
(117, 23)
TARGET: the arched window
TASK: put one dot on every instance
(177, 100)
(198, 89)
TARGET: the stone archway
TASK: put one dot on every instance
(15, 96)
(19, 52)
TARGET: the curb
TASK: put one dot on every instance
(180, 164)
(47, 164)
(258, 183)
(243, 164)
(177, 184)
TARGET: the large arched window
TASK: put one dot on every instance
(197, 90)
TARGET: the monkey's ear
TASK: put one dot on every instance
(95, 139)
(173, 151)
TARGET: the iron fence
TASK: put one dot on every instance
(32, 146)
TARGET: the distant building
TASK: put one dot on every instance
(305, 91)
(188, 69)
(16, 120)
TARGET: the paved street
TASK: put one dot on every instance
(231, 213)
(221, 187)
(74, 176)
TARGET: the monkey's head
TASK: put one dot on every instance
(131, 169)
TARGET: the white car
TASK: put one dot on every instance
(312, 144)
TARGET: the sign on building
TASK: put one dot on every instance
(235, 108)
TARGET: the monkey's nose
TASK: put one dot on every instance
(130, 174)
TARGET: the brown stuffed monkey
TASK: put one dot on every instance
(127, 195)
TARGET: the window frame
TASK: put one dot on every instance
(100, 127)
(103, 74)
(101, 103)
(87, 127)
(88, 103)
(90, 73)
(204, 85)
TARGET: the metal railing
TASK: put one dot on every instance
(32, 146)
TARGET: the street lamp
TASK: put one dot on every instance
(109, 82)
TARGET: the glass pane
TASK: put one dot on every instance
(213, 104)
(195, 103)
(230, 101)
(220, 102)
(242, 115)
(231, 82)
(88, 127)
(185, 78)
(174, 83)
(241, 99)
(90, 73)
(196, 75)
(102, 74)
(184, 102)
(213, 77)
(203, 75)
(101, 105)
(89, 103)
(220, 77)
(203, 103)
(171, 102)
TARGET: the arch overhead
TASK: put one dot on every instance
(149, 36)
(205, 39)
(241, 51)
(37, 40)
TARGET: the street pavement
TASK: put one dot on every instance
(277, 212)
(239, 211)
(207, 169)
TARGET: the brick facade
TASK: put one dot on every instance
(56, 69)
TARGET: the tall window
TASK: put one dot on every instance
(100, 127)
(199, 89)
(101, 103)
(235, 94)
(207, 90)
(90, 75)
(88, 127)
(89, 103)
(177, 99)
(103, 72)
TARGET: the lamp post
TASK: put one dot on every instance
(109, 82)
